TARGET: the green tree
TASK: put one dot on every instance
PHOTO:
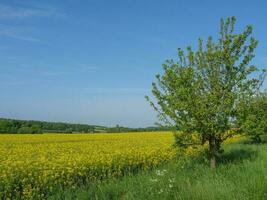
(199, 92)
(24, 130)
(36, 129)
(253, 117)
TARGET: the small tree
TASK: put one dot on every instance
(253, 117)
(198, 94)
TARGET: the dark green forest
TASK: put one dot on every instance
(15, 126)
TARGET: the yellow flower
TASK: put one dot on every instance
(41, 163)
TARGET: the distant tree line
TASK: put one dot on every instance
(36, 127)
(121, 129)
(33, 127)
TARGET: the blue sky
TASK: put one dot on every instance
(93, 61)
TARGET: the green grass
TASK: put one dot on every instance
(241, 174)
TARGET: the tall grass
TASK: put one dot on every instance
(241, 174)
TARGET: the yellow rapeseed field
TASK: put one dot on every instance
(32, 166)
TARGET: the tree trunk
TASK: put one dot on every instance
(257, 139)
(213, 163)
(213, 153)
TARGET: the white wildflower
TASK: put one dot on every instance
(153, 180)
(171, 180)
(161, 173)
(160, 191)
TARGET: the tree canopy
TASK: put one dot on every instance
(198, 93)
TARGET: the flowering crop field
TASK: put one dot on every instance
(33, 166)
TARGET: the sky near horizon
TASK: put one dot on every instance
(93, 61)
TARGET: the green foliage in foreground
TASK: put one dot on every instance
(242, 174)
(253, 117)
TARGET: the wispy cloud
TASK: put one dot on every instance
(12, 12)
(8, 12)
(17, 33)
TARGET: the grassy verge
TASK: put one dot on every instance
(241, 174)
